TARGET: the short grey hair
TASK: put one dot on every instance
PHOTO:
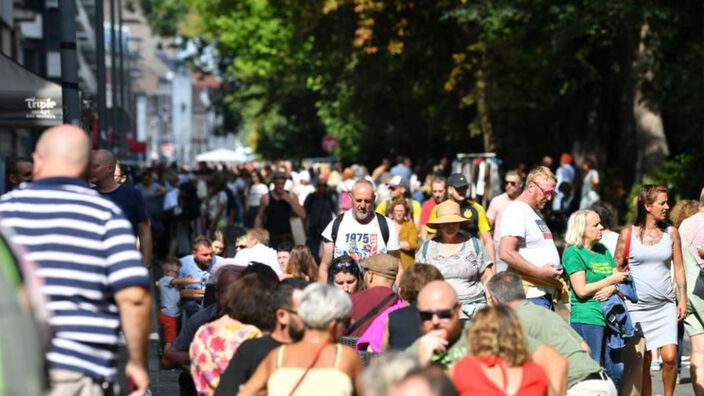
(323, 304)
(388, 370)
(506, 287)
(576, 226)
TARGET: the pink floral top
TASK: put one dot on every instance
(212, 348)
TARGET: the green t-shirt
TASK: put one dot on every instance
(597, 265)
(549, 328)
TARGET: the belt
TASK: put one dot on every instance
(598, 375)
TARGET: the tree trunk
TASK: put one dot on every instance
(651, 143)
(483, 108)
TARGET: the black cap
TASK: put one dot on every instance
(457, 180)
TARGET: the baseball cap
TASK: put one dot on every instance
(396, 181)
(457, 180)
(383, 264)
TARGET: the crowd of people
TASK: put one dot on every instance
(331, 280)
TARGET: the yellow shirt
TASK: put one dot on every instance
(478, 223)
(408, 232)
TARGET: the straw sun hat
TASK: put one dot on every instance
(447, 212)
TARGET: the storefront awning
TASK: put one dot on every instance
(26, 99)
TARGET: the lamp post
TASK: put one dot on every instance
(69, 63)
(100, 73)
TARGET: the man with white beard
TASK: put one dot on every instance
(359, 232)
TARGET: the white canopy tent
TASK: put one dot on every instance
(242, 154)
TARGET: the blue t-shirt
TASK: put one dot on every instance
(170, 295)
(130, 200)
(189, 267)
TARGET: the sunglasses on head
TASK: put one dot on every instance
(441, 313)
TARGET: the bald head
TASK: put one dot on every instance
(62, 151)
(102, 168)
(437, 294)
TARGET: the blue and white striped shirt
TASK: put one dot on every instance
(85, 252)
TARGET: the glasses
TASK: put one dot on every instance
(511, 183)
(441, 313)
(291, 311)
(238, 247)
(546, 193)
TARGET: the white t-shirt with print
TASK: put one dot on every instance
(361, 240)
(537, 246)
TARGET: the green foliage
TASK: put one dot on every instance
(398, 76)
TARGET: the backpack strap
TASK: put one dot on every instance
(627, 248)
(383, 226)
(475, 242)
(336, 227)
(424, 249)
(371, 314)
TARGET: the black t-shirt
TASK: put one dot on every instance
(404, 327)
(130, 200)
(241, 367)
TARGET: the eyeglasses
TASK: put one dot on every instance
(510, 182)
(441, 313)
(291, 311)
(546, 193)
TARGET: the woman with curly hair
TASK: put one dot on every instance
(499, 361)
(301, 264)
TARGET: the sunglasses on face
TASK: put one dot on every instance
(441, 313)
(511, 183)
(240, 246)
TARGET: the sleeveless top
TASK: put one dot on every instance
(470, 379)
(650, 268)
(331, 379)
(278, 213)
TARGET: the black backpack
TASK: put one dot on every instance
(383, 227)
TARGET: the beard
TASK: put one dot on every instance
(360, 215)
(296, 333)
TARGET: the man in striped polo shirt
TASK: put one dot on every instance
(94, 279)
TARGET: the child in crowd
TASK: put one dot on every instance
(283, 253)
(170, 294)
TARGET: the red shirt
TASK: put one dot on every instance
(470, 379)
(425, 210)
(363, 301)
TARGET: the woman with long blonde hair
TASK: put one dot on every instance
(498, 362)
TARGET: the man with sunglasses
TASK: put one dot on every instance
(445, 341)
(513, 185)
(526, 242)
